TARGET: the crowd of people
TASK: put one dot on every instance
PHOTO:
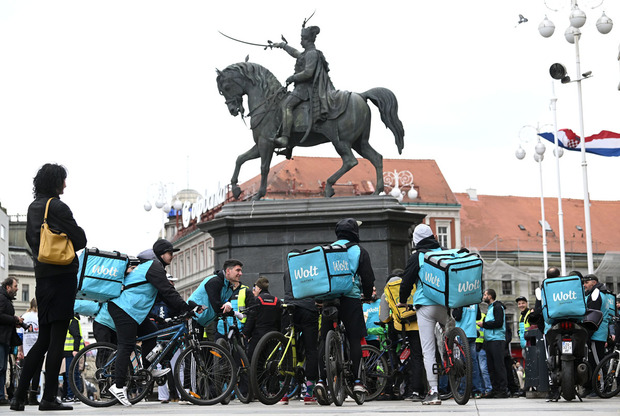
(403, 311)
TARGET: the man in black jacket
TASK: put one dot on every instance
(494, 325)
(350, 310)
(8, 333)
(264, 315)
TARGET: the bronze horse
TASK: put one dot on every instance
(350, 130)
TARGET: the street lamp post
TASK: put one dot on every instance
(558, 152)
(161, 195)
(397, 179)
(604, 25)
(539, 151)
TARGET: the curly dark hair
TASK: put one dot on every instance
(49, 180)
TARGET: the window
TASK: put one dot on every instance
(181, 269)
(26, 293)
(506, 287)
(2, 232)
(443, 233)
(2, 260)
(195, 265)
(202, 257)
(535, 285)
(188, 265)
(546, 225)
(610, 284)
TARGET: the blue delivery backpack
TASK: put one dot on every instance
(321, 272)
(101, 274)
(452, 277)
(563, 298)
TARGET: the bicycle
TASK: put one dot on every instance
(606, 376)
(340, 375)
(234, 343)
(276, 363)
(385, 364)
(454, 360)
(204, 373)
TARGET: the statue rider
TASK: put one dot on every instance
(311, 81)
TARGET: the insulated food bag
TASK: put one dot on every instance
(101, 274)
(563, 298)
(321, 272)
(452, 277)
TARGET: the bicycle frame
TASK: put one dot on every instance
(290, 346)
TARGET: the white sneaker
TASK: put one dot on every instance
(120, 394)
(160, 372)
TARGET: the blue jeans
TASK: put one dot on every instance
(4, 359)
(78, 379)
(475, 374)
(484, 370)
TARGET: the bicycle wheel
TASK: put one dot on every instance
(377, 371)
(459, 365)
(96, 365)
(205, 374)
(272, 368)
(605, 378)
(334, 367)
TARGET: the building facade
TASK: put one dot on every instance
(4, 243)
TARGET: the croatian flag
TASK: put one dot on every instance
(606, 143)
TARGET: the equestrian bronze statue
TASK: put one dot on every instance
(313, 113)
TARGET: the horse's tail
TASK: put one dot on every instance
(386, 101)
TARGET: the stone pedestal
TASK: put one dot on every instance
(261, 233)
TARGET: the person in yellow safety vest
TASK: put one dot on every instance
(524, 321)
(482, 358)
(405, 322)
(241, 299)
(73, 343)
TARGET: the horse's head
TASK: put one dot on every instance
(243, 78)
(228, 84)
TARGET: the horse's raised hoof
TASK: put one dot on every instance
(236, 190)
(329, 192)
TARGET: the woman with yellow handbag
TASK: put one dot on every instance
(53, 236)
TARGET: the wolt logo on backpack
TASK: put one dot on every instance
(104, 271)
(557, 297)
(101, 274)
(307, 272)
(320, 272)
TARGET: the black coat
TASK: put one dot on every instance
(8, 320)
(411, 275)
(56, 285)
(264, 315)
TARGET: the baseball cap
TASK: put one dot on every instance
(520, 298)
(588, 277)
(162, 246)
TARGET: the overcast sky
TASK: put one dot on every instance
(123, 94)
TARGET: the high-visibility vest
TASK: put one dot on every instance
(69, 340)
(480, 330)
(495, 334)
(524, 325)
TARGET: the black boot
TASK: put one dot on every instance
(17, 404)
(32, 398)
(53, 405)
